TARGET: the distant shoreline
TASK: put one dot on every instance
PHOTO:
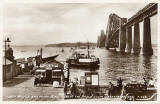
(78, 44)
(65, 45)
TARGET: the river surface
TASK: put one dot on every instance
(113, 65)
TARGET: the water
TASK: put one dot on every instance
(112, 64)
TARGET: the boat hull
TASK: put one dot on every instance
(86, 64)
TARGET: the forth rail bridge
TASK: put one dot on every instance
(119, 31)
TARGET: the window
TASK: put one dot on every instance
(38, 73)
(56, 75)
(43, 74)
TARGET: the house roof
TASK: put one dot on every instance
(20, 60)
(8, 62)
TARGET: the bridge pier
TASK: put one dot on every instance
(122, 39)
(122, 35)
(136, 41)
(147, 46)
(128, 39)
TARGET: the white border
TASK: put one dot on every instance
(75, 1)
(78, 1)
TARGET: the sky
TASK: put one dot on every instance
(49, 23)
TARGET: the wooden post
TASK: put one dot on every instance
(5, 66)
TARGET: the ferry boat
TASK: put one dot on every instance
(83, 58)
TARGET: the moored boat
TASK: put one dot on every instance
(83, 58)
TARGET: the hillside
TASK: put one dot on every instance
(70, 44)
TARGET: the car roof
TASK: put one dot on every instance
(56, 70)
(40, 70)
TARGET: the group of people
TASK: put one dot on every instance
(111, 86)
(148, 83)
(71, 88)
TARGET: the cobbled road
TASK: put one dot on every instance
(26, 91)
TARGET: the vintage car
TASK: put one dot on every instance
(138, 92)
(48, 76)
(43, 76)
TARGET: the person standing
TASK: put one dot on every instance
(110, 88)
(73, 89)
(65, 87)
(35, 80)
(151, 83)
(119, 82)
(145, 83)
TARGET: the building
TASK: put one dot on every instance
(9, 70)
(31, 63)
(23, 64)
(12, 69)
(10, 66)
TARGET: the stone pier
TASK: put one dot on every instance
(128, 39)
(136, 41)
(147, 46)
(122, 39)
(122, 35)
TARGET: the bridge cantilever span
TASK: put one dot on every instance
(146, 12)
(120, 36)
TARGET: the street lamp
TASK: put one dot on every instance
(6, 41)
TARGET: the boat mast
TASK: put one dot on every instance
(88, 48)
(41, 53)
(78, 44)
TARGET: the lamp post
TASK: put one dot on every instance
(5, 67)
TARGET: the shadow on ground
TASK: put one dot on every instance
(15, 81)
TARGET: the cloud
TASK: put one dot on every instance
(77, 14)
(30, 23)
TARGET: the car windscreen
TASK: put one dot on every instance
(38, 73)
